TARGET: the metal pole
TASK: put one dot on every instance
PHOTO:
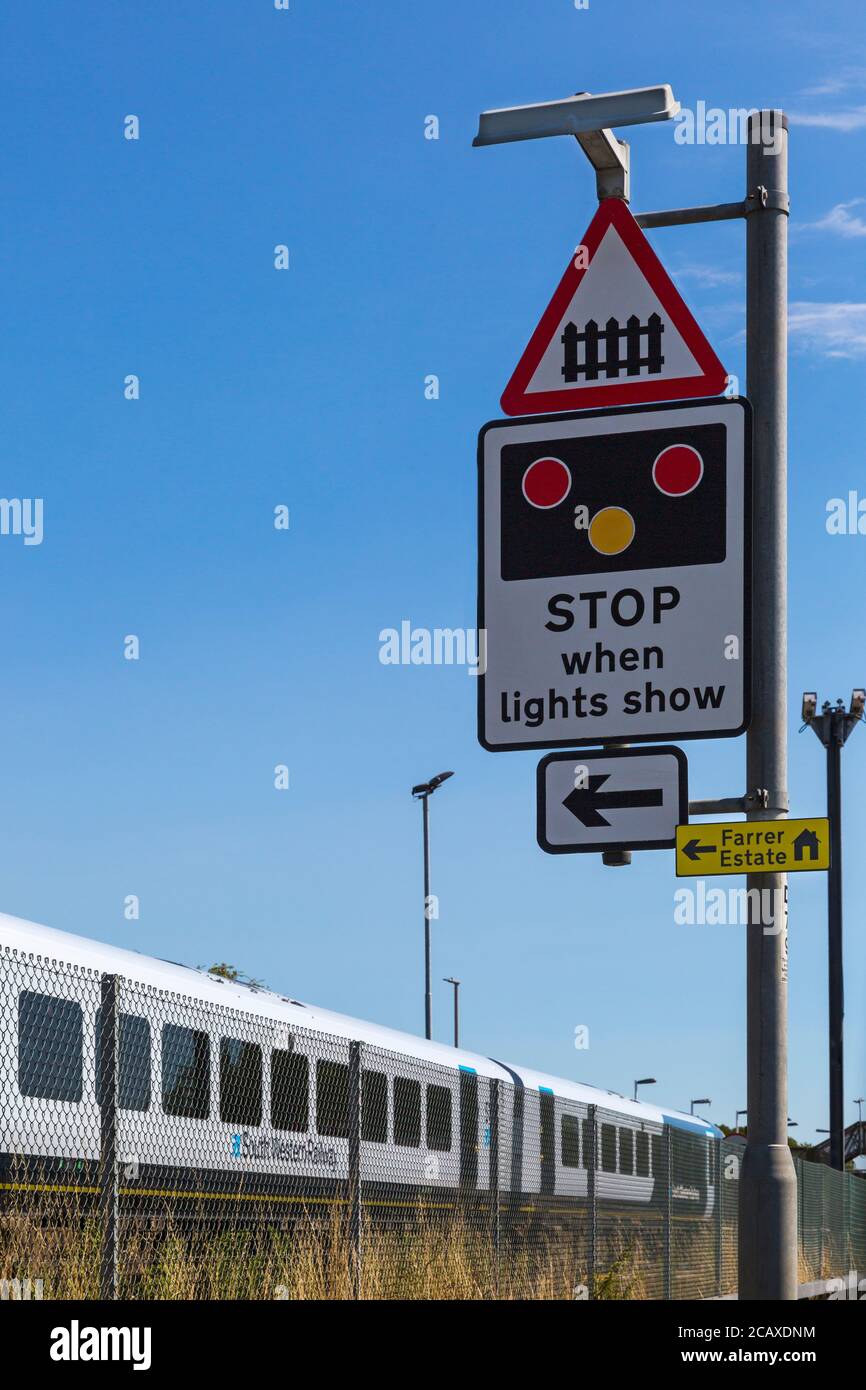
(835, 740)
(355, 1099)
(428, 1004)
(108, 1196)
(493, 1181)
(667, 1234)
(456, 1013)
(768, 1191)
(591, 1161)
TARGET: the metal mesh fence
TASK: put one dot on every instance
(158, 1145)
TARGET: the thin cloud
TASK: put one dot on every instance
(830, 330)
(845, 121)
(840, 220)
(840, 82)
(709, 276)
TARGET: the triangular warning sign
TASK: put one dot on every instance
(616, 332)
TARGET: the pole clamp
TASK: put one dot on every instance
(758, 799)
(763, 199)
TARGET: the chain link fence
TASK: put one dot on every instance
(158, 1145)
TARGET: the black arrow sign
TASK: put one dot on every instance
(587, 803)
(693, 849)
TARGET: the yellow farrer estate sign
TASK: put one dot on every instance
(753, 847)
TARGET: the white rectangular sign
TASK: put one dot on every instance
(615, 798)
(614, 575)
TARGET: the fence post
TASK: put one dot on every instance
(632, 345)
(493, 1180)
(801, 1213)
(720, 1229)
(107, 1064)
(354, 1193)
(655, 328)
(611, 348)
(669, 1183)
(590, 1161)
(569, 356)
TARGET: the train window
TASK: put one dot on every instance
(658, 1158)
(407, 1112)
(290, 1081)
(332, 1099)
(240, 1082)
(570, 1140)
(439, 1119)
(133, 1062)
(50, 1047)
(185, 1072)
(626, 1151)
(374, 1107)
(608, 1148)
(586, 1126)
(642, 1164)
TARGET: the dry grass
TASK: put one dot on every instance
(314, 1261)
(311, 1261)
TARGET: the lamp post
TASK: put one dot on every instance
(422, 792)
(859, 1103)
(833, 727)
(739, 1113)
(702, 1100)
(644, 1081)
(449, 980)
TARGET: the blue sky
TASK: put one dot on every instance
(407, 257)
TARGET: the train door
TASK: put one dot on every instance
(547, 1107)
(468, 1130)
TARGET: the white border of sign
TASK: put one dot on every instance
(730, 580)
(592, 756)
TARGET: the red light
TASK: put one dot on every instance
(678, 470)
(546, 482)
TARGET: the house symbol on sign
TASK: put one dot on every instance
(806, 840)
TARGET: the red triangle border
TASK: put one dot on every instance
(712, 381)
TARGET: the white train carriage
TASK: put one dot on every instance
(226, 1090)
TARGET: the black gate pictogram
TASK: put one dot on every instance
(610, 336)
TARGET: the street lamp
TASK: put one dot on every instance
(644, 1081)
(859, 1103)
(449, 980)
(739, 1113)
(587, 118)
(702, 1100)
(833, 726)
(423, 792)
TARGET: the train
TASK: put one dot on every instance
(233, 1094)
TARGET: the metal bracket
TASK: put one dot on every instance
(760, 200)
(763, 199)
(756, 800)
(610, 158)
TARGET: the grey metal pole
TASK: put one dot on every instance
(768, 1185)
(456, 1013)
(590, 1160)
(493, 1181)
(835, 739)
(428, 1003)
(107, 1062)
(355, 1088)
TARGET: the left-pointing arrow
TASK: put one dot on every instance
(694, 848)
(587, 803)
